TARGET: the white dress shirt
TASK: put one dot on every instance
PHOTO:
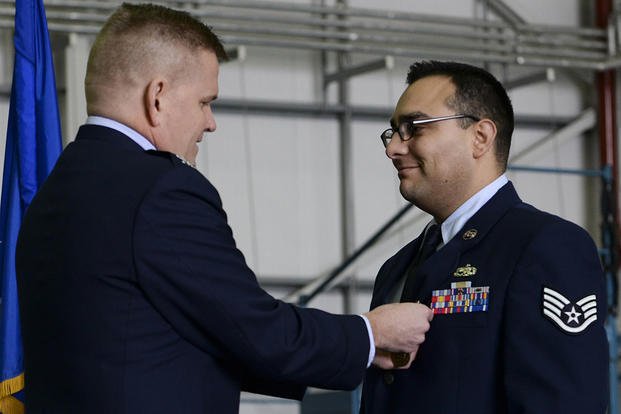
(456, 221)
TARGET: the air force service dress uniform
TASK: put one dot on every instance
(519, 303)
(134, 298)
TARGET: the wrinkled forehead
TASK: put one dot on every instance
(427, 97)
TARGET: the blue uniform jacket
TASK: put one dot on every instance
(134, 298)
(512, 358)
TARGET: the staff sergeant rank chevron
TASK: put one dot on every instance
(571, 318)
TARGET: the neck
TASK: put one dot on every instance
(442, 214)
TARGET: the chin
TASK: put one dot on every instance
(410, 193)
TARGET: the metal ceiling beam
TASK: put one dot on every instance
(367, 31)
(525, 80)
(387, 62)
(376, 113)
(502, 10)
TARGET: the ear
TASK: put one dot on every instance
(484, 137)
(153, 97)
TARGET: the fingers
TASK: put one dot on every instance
(398, 330)
(393, 360)
(382, 359)
(400, 327)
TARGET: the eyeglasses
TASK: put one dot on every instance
(409, 129)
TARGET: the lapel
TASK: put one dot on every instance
(393, 271)
(439, 267)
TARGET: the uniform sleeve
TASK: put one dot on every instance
(555, 351)
(193, 274)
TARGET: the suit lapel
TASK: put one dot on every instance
(393, 271)
(440, 267)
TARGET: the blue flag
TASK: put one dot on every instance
(33, 143)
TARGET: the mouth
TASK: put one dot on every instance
(402, 170)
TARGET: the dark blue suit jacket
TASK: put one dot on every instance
(134, 298)
(511, 358)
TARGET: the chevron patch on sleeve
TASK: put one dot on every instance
(571, 317)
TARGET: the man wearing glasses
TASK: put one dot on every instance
(518, 294)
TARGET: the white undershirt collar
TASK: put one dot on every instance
(124, 129)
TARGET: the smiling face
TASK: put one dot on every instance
(184, 107)
(436, 168)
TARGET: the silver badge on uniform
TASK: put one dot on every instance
(571, 317)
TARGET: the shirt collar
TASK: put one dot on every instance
(456, 221)
(124, 129)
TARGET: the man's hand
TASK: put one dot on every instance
(393, 360)
(398, 328)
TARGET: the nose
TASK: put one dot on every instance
(210, 120)
(396, 147)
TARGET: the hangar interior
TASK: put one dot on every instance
(310, 195)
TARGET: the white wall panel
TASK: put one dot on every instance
(271, 74)
(278, 178)
(76, 57)
(557, 98)
(381, 88)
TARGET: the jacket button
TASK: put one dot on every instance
(389, 378)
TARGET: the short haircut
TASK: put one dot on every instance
(478, 93)
(138, 36)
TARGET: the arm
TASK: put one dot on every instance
(546, 368)
(191, 271)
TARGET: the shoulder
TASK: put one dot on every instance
(174, 169)
(161, 160)
(175, 180)
(527, 221)
(556, 253)
(545, 248)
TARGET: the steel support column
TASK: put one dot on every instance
(606, 88)
(346, 167)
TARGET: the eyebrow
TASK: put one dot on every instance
(406, 117)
